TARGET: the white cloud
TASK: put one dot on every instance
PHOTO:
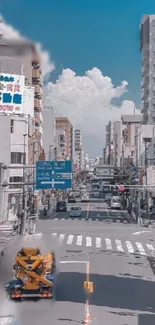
(10, 33)
(87, 102)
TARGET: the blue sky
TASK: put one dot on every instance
(81, 34)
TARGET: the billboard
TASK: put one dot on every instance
(11, 93)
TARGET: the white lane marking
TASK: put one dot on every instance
(55, 218)
(70, 239)
(129, 247)
(140, 248)
(88, 241)
(98, 242)
(119, 245)
(108, 243)
(61, 237)
(150, 247)
(77, 262)
(140, 232)
(62, 218)
(79, 241)
(54, 234)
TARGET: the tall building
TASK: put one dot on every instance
(63, 123)
(78, 150)
(147, 49)
(49, 132)
(21, 58)
(108, 150)
(129, 123)
(61, 144)
(117, 143)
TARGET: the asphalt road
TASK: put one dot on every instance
(124, 286)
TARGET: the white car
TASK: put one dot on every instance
(85, 197)
(115, 203)
(75, 212)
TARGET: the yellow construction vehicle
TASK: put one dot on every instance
(34, 275)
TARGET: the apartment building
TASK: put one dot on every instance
(108, 152)
(147, 49)
(129, 123)
(49, 132)
(78, 150)
(117, 143)
(63, 123)
(61, 144)
(21, 58)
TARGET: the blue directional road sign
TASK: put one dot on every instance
(54, 174)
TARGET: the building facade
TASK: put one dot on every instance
(61, 144)
(147, 44)
(79, 160)
(108, 153)
(63, 123)
(49, 132)
(21, 58)
(128, 133)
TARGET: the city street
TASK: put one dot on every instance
(122, 267)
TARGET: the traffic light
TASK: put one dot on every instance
(114, 188)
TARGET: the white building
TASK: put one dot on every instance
(17, 128)
(147, 48)
(128, 133)
(78, 150)
(61, 143)
(49, 132)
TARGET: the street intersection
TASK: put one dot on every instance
(122, 268)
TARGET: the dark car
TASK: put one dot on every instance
(71, 199)
(61, 206)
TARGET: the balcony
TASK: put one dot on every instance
(37, 119)
(36, 74)
(37, 104)
(38, 90)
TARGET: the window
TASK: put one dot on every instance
(18, 158)
(12, 126)
(16, 179)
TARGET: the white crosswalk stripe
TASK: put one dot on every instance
(70, 239)
(140, 248)
(108, 243)
(61, 237)
(129, 247)
(98, 242)
(119, 245)
(88, 241)
(79, 241)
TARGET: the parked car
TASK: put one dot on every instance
(115, 203)
(75, 212)
(61, 206)
(85, 197)
(71, 199)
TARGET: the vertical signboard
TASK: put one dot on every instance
(11, 93)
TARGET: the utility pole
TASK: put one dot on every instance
(24, 205)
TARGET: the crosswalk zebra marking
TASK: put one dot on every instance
(119, 245)
(150, 247)
(70, 239)
(108, 243)
(129, 247)
(88, 241)
(140, 248)
(98, 242)
(79, 241)
(61, 237)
